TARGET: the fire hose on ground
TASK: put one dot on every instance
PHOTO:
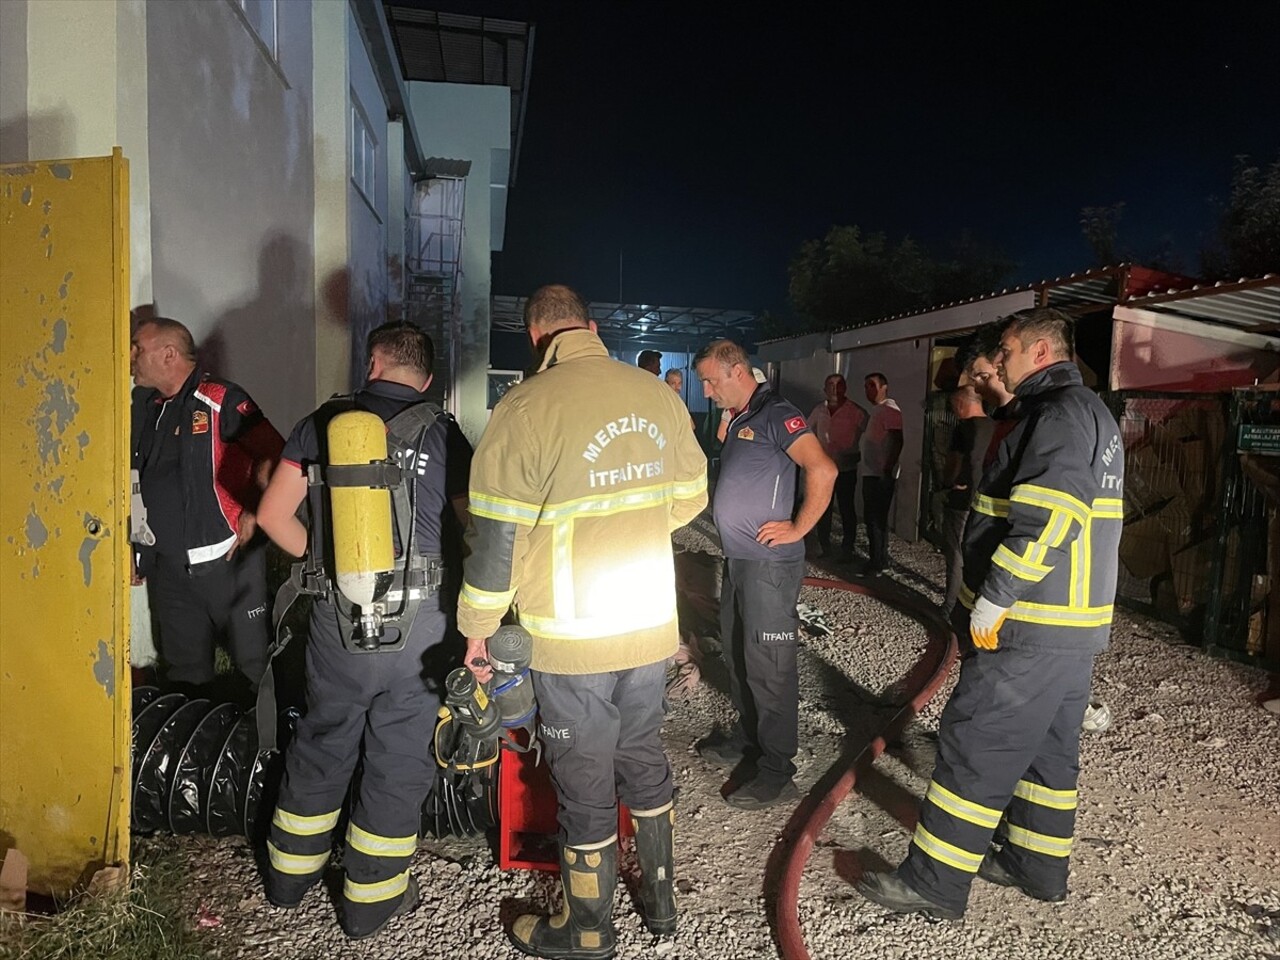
(920, 683)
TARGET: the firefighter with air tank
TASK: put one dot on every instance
(384, 474)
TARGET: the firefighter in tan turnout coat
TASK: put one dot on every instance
(582, 474)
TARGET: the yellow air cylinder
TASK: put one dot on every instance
(363, 549)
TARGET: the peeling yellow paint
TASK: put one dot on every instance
(64, 444)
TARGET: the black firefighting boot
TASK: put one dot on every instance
(583, 930)
(655, 851)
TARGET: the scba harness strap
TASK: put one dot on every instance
(416, 576)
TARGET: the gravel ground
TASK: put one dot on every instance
(1176, 852)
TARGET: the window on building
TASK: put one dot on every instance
(364, 155)
(261, 17)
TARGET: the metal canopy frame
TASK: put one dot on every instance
(683, 329)
(441, 47)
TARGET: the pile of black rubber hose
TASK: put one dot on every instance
(197, 767)
(462, 804)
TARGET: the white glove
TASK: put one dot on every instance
(985, 622)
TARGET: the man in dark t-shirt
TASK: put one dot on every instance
(377, 707)
(763, 566)
(960, 477)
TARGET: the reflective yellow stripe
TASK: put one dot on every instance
(600, 506)
(500, 508)
(1080, 572)
(479, 599)
(991, 506)
(376, 846)
(1061, 527)
(958, 806)
(688, 489)
(945, 852)
(1050, 614)
(1107, 508)
(1020, 568)
(294, 863)
(1040, 842)
(593, 628)
(301, 826)
(563, 594)
(1045, 797)
(1049, 499)
(1055, 615)
(375, 892)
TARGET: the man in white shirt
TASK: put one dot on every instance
(838, 423)
(881, 447)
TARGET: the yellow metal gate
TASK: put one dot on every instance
(64, 426)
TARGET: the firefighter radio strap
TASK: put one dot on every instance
(362, 556)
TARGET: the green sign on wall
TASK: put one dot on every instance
(1259, 438)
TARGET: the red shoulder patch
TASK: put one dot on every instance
(795, 424)
(246, 407)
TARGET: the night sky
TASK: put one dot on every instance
(706, 142)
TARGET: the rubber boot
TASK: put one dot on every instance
(583, 930)
(655, 851)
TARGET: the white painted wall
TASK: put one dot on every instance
(13, 83)
(232, 194)
(73, 82)
(367, 216)
(465, 122)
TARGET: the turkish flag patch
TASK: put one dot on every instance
(795, 424)
(246, 407)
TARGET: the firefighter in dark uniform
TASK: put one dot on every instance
(1040, 563)
(763, 566)
(202, 451)
(380, 705)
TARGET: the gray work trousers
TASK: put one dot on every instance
(602, 736)
(759, 627)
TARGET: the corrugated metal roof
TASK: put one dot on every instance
(644, 324)
(1076, 293)
(1252, 305)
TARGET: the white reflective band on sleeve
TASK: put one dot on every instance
(497, 508)
(375, 892)
(486, 599)
(1050, 499)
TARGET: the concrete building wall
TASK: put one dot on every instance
(14, 119)
(73, 83)
(463, 122)
(232, 194)
(800, 381)
(367, 214)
